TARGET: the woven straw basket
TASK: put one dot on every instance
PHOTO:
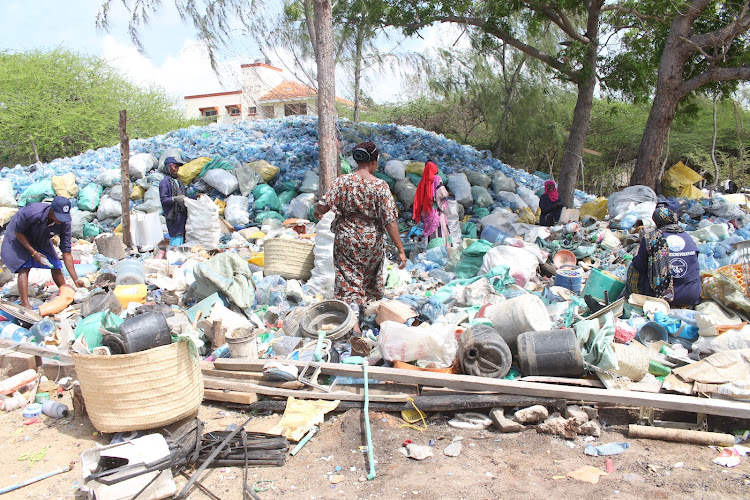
(290, 259)
(138, 391)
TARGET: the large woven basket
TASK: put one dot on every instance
(138, 391)
(290, 259)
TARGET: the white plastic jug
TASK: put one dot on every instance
(146, 229)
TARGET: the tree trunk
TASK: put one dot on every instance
(125, 179)
(582, 112)
(357, 69)
(713, 152)
(327, 153)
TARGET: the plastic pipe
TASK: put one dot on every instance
(305, 439)
(319, 346)
(13, 487)
(12, 384)
(63, 300)
(681, 435)
(356, 360)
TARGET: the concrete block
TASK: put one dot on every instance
(17, 362)
(531, 415)
(504, 424)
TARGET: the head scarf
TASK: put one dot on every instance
(551, 189)
(365, 152)
(659, 271)
(425, 191)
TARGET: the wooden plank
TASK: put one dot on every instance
(280, 405)
(244, 398)
(256, 378)
(37, 350)
(467, 382)
(581, 382)
(216, 383)
(479, 401)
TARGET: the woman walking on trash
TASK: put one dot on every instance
(364, 210)
(550, 205)
(172, 194)
(667, 262)
(28, 244)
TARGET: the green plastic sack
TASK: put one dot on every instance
(481, 212)
(345, 167)
(88, 197)
(471, 259)
(287, 185)
(436, 242)
(268, 214)
(91, 229)
(414, 178)
(36, 192)
(387, 178)
(443, 177)
(265, 196)
(286, 196)
(89, 327)
(469, 230)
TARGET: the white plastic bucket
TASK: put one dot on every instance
(242, 344)
(518, 315)
(146, 229)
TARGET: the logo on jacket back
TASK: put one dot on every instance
(678, 268)
(675, 243)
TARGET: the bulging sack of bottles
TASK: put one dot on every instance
(459, 186)
(109, 208)
(223, 181)
(395, 169)
(482, 197)
(189, 171)
(141, 164)
(7, 194)
(235, 212)
(36, 192)
(88, 197)
(108, 178)
(265, 169)
(405, 191)
(202, 227)
(310, 183)
(65, 185)
(434, 346)
(478, 178)
(501, 182)
(265, 197)
(299, 207)
(151, 201)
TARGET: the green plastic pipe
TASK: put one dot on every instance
(319, 346)
(359, 360)
(305, 439)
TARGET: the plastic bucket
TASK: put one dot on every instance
(130, 272)
(652, 332)
(599, 282)
(552, 353)
(569, 278)
(521, 314)
(242, 344)
(140, 333)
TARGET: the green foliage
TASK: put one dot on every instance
(68, 103)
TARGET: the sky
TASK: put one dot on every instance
(173, 59)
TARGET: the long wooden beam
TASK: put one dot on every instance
(37, 350)
(467, 382)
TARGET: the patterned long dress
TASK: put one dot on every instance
(363, 208)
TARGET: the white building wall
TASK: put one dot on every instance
(220, 102)
(258, 79)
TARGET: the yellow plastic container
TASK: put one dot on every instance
(258, 258)
(130, 293)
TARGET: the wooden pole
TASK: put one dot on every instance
(125, 179)
(33, 146)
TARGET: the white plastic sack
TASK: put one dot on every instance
(502, 219)
(141, 164)
(529, 197)
(299, 207)
(146, 230)
(310, 183)
(202, 227)
(236, 211)
(323, 274)
(730, 340)
(453, 220)
(618, 202)
(151, 201)
(6, 214)
(109, 208)
(7, 194)
(405, 192)
(108, 178)
(222, 180)
(116, 192)
(501, 182)
(459, 186)
(523, 262)
(514, 201)
(433, 345)
(396, 169)
(77, 219)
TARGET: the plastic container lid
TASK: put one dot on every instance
(32, 410)
(41, 397)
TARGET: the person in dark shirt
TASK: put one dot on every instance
(667, 262)
(28, 244)
(172, 195)
(550, 205)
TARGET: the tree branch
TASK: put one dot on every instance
(726, 33)
(716, 74)
(557, 16)
(634, 12)
(547, 59)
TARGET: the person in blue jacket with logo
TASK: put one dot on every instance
(667, 262)
(27, 243)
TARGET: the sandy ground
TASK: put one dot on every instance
(490, 465)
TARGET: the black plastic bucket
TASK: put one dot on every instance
(552, 353)
(142, 332)
(482, 352)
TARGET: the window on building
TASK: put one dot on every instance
(295, 109)
(209, 111)
(252, 111)
(234, 110)
(268, 112)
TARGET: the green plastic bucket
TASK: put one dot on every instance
(600, 282)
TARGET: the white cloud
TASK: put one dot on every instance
(186, 73)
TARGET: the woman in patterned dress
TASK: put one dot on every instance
(364, 210)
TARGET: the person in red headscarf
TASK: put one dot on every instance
(550, 204)
(429, 202)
